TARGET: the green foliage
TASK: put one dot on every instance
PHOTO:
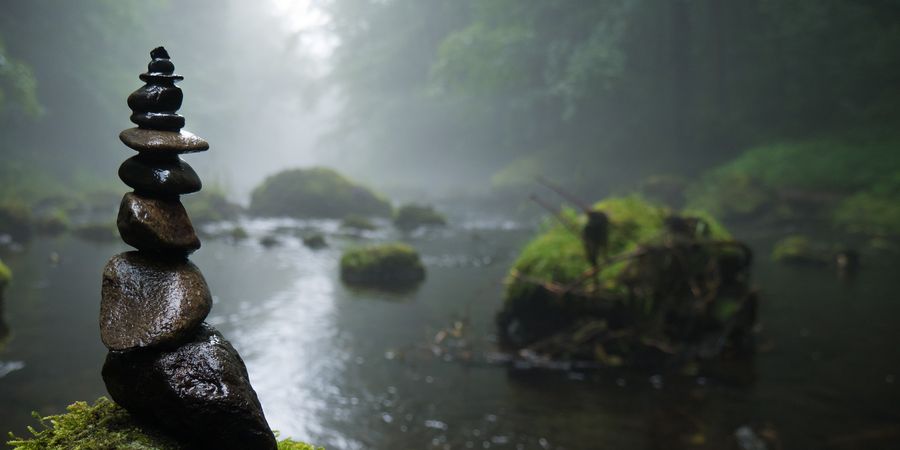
(18, 86)
(755, 182)
(873, 211)
(382, 265)
(5, 275)
(315, 192)
(411, 216)
(104, 426)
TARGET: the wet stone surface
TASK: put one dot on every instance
(156, 225)
(168, 177)
(199, 391)
(158, 120)
(150, 301)
(161, 142)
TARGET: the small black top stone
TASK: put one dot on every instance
(159, 52)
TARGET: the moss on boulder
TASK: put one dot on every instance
(411, 216)
(315, 192)
(5, 275)
(104, 426)
(358, 223)
(799, 249)
(210, 205)
(393, 265)
(671, 284)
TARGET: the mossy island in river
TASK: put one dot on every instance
(105, 426)
(672, 287)
(316, 192)
(411, 216)
(386, 266)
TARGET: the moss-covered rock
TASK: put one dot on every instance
(412, 216)
(315, 192)
(5, 275)
(315, 241)
(97, 231)
(210, 205)
(393, 265)
(15, 220)
(798, 249)
(358, 223)
(670, 283)
(104, 426)
(53, 222)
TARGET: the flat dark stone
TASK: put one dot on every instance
(152, 176)
(149, 301)
(155, 141)
(152, 98)
(199, 392)
(156, 225)
(158, 121)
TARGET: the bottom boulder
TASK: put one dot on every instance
(199, 392)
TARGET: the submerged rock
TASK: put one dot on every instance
(159, 176)
(315, 241)
(199, 391)
(156, 225)
(151, 301)
(412, 216)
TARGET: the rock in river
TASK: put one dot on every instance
(199, 391)
(156, 225)
(169, 176)
(149, 301)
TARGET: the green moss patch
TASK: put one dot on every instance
(851, 181)
(315, 192)
(412, 216)
(392, 265)
(670, 282)
(5, 275)
(359, 223)
(104, 426)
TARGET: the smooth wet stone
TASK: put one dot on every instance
(155, 141)
(153, 98)
(161, 66)
(149, 176)
(199, 391)
(158, 121)
(156, 225)
(149, 301)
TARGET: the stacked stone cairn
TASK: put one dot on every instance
(166, 366)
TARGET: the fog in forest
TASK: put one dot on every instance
(631, 224)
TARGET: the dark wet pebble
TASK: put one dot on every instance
(154, 176)
(148, 301)
(156, 225)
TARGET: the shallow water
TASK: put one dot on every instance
(356, 370)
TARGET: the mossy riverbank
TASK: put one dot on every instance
(104, 426)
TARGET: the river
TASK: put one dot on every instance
(351, 369)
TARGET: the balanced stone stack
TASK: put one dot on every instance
(166, 366)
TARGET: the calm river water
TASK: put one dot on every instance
(356, 370)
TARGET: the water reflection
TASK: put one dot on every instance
(358, 369)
